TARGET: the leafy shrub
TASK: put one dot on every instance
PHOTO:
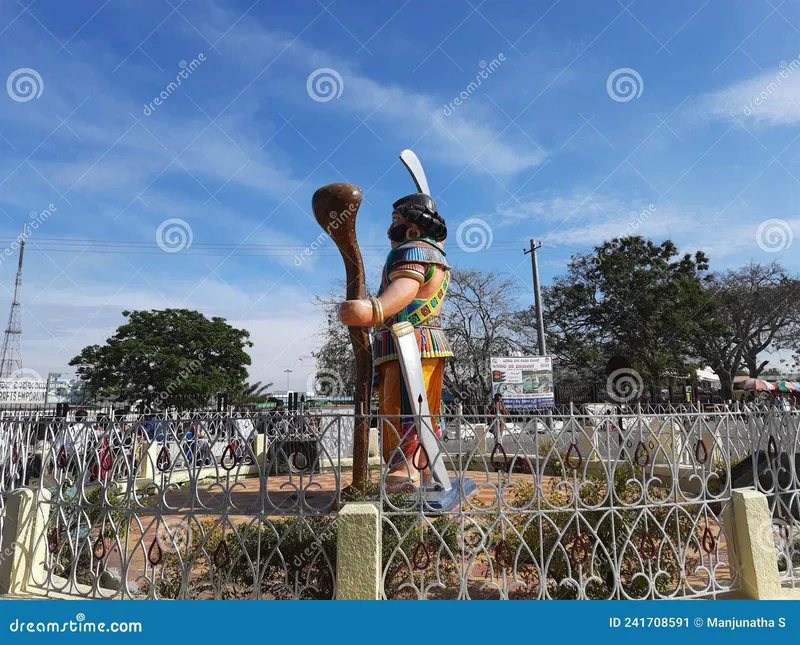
(281, 558)
(548, 538)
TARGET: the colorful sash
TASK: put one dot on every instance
(426, 309)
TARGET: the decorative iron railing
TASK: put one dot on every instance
(190, 509)
(576, 506)
(775, 469)
(18, 463)
(609, 504)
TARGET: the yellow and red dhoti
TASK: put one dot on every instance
(396, 430)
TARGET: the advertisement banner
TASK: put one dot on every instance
(66, 390)
(524, 381)
(23, 390)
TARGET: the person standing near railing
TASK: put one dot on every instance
(243, 435)
(102, 456)
(72, 441)
(497, 411)
(202, 443)
(154, 427)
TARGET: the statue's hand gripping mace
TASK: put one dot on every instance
(335, 208)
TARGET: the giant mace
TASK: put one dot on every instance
(408, 343)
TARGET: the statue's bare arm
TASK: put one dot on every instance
(400, 292)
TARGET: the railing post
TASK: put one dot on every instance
(481, 438)
(358, 552)
(23, 544)
(261, 450)
(751, 545)
(374, 444)
(149, 470)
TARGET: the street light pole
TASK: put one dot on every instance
(287, 380)
(537, 294)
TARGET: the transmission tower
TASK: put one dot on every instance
(11, 356)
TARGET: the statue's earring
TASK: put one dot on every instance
(412, 233)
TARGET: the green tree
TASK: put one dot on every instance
(250, 393)
(167, 357)
(630, 297)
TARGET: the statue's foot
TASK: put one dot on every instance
(400, 483)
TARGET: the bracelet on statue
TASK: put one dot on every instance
(377, 312)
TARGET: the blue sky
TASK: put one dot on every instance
(586, 112)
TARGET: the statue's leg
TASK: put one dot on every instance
(400, 441)
(433, 373)
(396, 437)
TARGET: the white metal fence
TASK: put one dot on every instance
(605, 504)
(189, 508)
(595, 505)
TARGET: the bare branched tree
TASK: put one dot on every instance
(478, 319)
(335, 356)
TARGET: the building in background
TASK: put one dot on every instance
(708, 378)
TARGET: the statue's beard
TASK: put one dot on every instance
(398, 233)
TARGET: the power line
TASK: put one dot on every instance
(133, 243)
(132, 247)
(572, 248)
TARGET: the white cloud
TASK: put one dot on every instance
(455, 140)
(589, 219)
(771, 98)
(557, 208)
(165, 148)
(581, 221)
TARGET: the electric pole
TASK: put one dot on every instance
(537, 295)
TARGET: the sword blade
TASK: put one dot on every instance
(411, 366)
(412, 163)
